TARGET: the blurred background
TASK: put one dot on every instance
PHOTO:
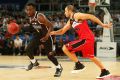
(54, 10)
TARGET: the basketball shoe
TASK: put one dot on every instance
(104, 73)
(78, 67)
(31, 65)
(58, 71)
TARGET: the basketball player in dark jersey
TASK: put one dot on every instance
(41, 28)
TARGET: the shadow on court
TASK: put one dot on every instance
(21, 67)
(111, 77)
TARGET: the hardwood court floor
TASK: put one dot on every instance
(11, 68)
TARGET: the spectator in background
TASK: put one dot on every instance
(5, 21)
(17, 45)
(99, 36)
(25, 43)
(62, 23)
(9, 46)
(59, 46)
(41, 50)
(56, 25)
(1, 43)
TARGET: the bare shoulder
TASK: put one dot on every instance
(81, 16)
(41, 17)
(78, 15)
(44, 20)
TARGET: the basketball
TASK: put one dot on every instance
(13, 28)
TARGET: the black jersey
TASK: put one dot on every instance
(38, 28)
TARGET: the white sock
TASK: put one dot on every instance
(58, 66)
(33, 60)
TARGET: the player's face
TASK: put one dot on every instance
(17, 37)
(67, 13)
(30, 11)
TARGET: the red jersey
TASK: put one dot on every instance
(85, 43)
(83, 30)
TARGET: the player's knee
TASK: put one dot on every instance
(50, 55)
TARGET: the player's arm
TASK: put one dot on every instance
(91, 17)
(42, 18)
(62, 30)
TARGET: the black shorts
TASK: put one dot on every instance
(35, 42)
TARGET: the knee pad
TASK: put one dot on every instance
(52, 58)
(50, 54)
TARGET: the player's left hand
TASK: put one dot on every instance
(107, 25)
(52, 33)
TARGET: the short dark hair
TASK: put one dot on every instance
(27, 33)
(31, 4)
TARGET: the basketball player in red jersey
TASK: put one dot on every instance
(85, 43)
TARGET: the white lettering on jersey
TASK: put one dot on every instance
(75, 24)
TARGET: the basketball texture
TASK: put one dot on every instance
(13, 28)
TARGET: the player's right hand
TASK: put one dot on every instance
(107, 25)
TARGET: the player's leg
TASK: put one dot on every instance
(88, 52)
(54, 60)
(49, 50)
(32, 46)
(71, 55)
(104, 71)
(69, 50)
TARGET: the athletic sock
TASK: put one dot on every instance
(33, 60)
(103, 69)
(78, 62)
(58, 66)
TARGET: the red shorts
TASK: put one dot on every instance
(84, 45)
